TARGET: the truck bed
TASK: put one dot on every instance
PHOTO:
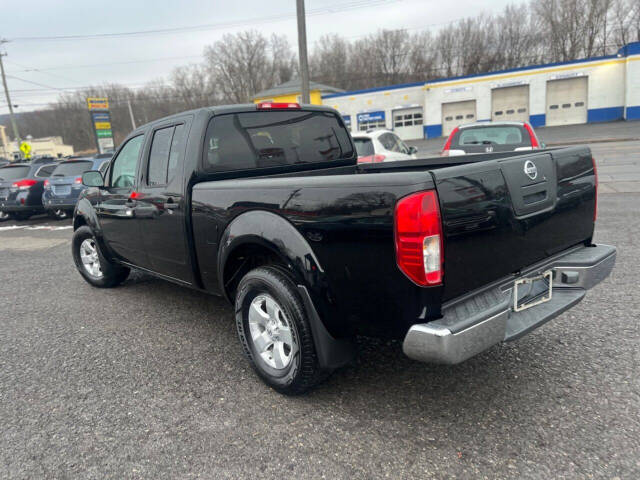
(496, 221)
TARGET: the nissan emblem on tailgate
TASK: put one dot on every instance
(530, 169)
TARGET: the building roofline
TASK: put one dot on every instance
(629, 49)
(375, 89)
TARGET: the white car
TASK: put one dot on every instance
(382, 146)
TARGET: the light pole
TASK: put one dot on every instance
(14, 125)
(302, 51)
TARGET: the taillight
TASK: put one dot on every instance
(372, 159)
(532, 136)
(418, 237)
(277, 106)
(25, 184)
(47, 185)
(595, 204)
(78, 181)
(447, 145)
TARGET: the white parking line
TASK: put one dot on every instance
(37, 227)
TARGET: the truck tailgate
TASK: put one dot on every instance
(502, 215)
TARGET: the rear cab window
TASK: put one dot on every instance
(512, 135)
(68, 169)
(260, 140)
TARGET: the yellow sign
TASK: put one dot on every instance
(25, 148)
(103, 125)
(98, 103)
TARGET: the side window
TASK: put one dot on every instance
(177, 151)
(45, 172)
(159, 156)
(397, 144)
(386, 141)
(167, 149)
(389, 141)
(103, 167)
(402, 146)
(123, 172)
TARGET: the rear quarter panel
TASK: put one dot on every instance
(347, 221)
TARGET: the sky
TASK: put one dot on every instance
(39, 69)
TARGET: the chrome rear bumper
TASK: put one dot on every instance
(475, 322)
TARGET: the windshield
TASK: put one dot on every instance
(364, 146)
(14, 173)
(68, 169)
(497, 135)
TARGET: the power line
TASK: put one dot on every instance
(354, 4)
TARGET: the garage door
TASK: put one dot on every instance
(567, 101)
(407, 123)
(510, 103)
(457, 113)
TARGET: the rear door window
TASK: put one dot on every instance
(512, 135)
(167, 149)
(68, 169)
(250, 140)
(159, 156)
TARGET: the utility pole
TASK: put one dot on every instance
(133, 120)
(302, 51)
(14, 125)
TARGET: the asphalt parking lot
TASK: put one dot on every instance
(148, 381)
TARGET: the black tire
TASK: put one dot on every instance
(19, 216)
(112, 273)
(303, 371)
(4, 216)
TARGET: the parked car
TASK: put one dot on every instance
(381, 146)
(488, 137)
(21, 187)
(267, 206)
(63, 187)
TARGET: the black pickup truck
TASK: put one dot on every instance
(266, 205)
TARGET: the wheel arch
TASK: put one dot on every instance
(273, 238)
(268, 239)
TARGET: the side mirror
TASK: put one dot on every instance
(413, 150)
(92, 178)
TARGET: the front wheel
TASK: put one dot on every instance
(275, 332)
(92, 265)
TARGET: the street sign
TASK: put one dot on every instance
(98, 103)
(101, 120)
(25, 148)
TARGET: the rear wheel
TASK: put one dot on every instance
(4, 216)
(275, 332)
(91, 264)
